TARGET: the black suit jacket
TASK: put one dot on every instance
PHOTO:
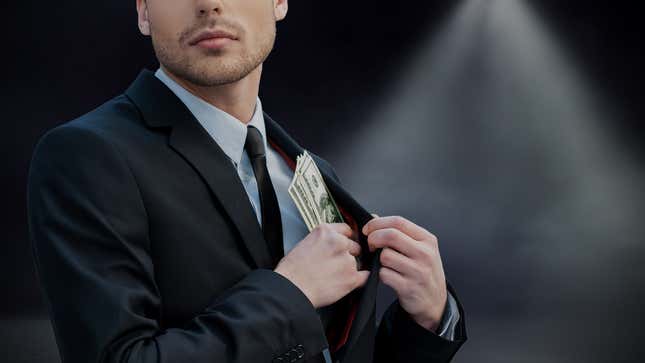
(148, 250)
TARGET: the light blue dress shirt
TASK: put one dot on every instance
(230, 134)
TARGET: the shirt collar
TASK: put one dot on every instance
(225, 129)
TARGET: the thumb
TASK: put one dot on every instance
(362, 277)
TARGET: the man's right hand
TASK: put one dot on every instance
(323, 265)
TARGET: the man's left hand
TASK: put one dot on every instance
(411, 265)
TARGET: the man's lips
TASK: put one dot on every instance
(212, 39)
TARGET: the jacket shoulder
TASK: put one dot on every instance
(113, 118)
(116, 122)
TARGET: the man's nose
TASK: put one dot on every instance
(206, 7)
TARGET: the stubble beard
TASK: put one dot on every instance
(218, 67)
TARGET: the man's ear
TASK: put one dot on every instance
(280, 8)
(143, 21)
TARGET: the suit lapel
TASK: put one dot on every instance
(161, 108)
(193, 142)
(367, 294)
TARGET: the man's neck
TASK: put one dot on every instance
(238, 99)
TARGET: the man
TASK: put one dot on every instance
(163, 231)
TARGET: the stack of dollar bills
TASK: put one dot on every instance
(310, 194)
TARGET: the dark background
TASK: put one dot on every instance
(511, 129)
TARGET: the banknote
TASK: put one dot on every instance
(310, 194)
(312, 198)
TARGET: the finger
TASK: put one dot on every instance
(400, 223)
(354, 248)
(392, 279)
(394, 260)
(393, 238)
(342, 228)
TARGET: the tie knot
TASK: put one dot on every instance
(254, 144)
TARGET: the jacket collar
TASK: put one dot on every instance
(160, 108)
(225, 129)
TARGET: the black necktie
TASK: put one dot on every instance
(271, 221)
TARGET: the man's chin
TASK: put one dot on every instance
(209, 71)
(210, 79)
(213, 76)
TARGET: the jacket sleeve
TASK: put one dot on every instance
(89, 232)
(400, 339)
